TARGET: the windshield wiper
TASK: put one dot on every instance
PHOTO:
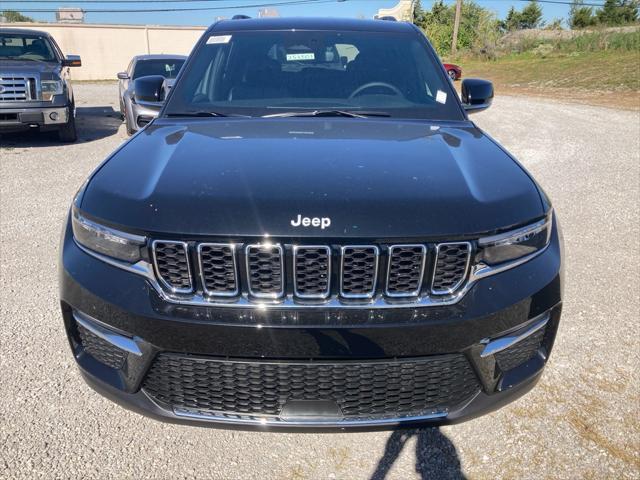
(328, 113)
(197, 114)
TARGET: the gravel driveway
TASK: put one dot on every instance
(580, 422)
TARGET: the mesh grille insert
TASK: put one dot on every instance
(520, 352)
(406, 268)
(100, 349)
(312, 271)
(361, 389)
(218, 268)
(359, 271)
(265, 270)
(172, 265)
(451, 267)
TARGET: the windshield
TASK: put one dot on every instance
(167, 67)
(15, 46)
(260, 73)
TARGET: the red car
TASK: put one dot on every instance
(454, 71)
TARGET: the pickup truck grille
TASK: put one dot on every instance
(311, 272)
(16, 89)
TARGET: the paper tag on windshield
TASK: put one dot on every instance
(294, 57)
(218, 39)
(441, 97)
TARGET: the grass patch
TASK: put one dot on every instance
(597, 71)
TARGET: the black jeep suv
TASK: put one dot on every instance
(312, 235)
(35, 88)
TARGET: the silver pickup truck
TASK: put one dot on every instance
(35, 88)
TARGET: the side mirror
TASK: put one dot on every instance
(148, 89)
(122, 75)
(477, 94)
(72, 61)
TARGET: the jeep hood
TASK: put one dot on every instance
(377, 178)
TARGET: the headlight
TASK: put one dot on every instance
(515, 244)
(105, 240)
(51, 88)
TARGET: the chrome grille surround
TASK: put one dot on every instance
(395, 268)
(178, 264)
(16, 88)
(215, 257)
(259, 266)
(450, 266)
(323, 278)
(368, 273)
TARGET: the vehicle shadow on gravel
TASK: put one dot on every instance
(436, 456)
(92, 123)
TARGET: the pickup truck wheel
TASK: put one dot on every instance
(452, 74)
(68, 132)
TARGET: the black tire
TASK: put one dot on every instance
(452, 75)
(67, 133)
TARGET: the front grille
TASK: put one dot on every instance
(520, 352)
(359, 271)
(100, 349)
(406, 269)
(272, 271)
(311, 271)
(265, 270)
(218, 268)
(172, 265)
(452, 264)
(360, 389)
(14, 88)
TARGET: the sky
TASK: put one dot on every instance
(332, 8)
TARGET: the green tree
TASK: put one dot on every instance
(419, 14)
(531, 16)
(478, 26)
(512, 21)
(12, 16)
(618, 12)
(580, 16)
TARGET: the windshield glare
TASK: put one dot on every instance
(265, 72)
(26, 47)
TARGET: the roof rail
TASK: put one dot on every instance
(388, 18)
(240, 17)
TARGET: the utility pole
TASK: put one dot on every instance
(456, 26)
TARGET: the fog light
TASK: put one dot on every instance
(53, 116)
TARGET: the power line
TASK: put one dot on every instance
(179, 9)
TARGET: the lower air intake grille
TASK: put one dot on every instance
(520, 352)
(359, 271)
(100, 349)
(312, 270)
(360, 389)
(172, 265)
(452, 263)
(218, 268)
(265, 270)
(406, 267)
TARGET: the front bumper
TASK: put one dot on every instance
(34, 117)
(498, 313)
(143, 114)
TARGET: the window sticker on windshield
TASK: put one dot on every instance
(441, 97)
(294, 57)
(218, 39)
